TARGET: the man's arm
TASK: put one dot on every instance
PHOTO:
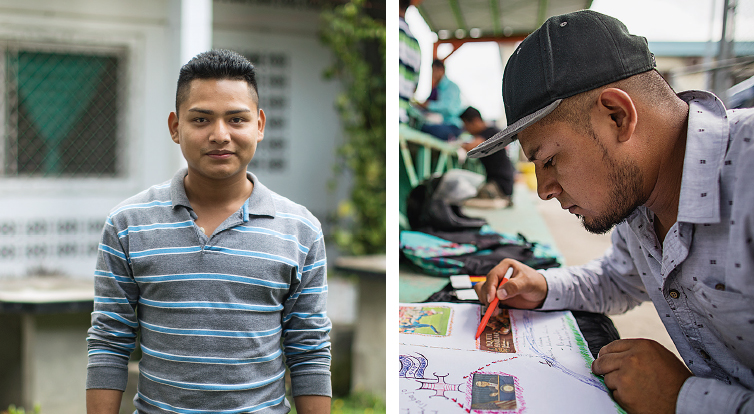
(312, 404)
(610, 284)
(112, 336)
(468, 146)
(306, 342)
(101, 401)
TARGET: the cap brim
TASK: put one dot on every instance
(508, 135)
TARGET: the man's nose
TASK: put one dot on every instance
(547, 185)
(220, 133)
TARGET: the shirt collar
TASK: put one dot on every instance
(260, 203)
(706, 143)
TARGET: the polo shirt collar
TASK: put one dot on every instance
(260, 203)
(706, 143)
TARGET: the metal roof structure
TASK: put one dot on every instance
(460, 21)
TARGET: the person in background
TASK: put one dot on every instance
(409, 62)
(671, 173)
(498, 189)
(444, 100)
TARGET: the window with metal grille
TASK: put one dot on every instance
(62, 113)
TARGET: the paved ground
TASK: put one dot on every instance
(578, 247)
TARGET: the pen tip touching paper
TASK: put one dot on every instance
(492, 305)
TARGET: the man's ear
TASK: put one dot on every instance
(261, 121)
(173, 126)
(616, 107)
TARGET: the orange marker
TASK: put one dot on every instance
(493, 305)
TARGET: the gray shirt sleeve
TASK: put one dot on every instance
(112, 336)
(707, 395)
(306, 327)
(605, 285)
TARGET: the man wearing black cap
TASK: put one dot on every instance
(616, 146)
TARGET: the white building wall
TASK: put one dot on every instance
(311, 128)
(39, 216)
(72, 211)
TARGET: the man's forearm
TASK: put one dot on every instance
(312, 404)
(101, 401)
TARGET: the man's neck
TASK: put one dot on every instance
(211, 193)
(666, 194)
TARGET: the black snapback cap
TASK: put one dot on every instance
(569, 54)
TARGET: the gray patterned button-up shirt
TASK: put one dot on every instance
(701, 279)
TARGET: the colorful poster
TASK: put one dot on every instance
(425, 320)
(524, 362)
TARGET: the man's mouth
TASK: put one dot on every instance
(570, 208)
(219, 154)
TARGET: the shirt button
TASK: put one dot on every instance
(704, 354)
(720, 286)
(674, 294)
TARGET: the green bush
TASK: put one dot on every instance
(356, 403)
(20, 410)
(357, 41)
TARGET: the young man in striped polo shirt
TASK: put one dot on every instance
(224, 279)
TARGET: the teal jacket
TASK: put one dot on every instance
(448, 103)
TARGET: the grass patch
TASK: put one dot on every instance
(356, 403)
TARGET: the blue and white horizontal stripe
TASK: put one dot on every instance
(212, 311)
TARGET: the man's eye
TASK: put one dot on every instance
(236, 120)
(200, 120)
(548, 163)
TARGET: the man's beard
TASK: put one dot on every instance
(625, 196)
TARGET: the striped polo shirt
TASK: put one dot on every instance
(219, 316)
(409, 60)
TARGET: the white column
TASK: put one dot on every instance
(191, 27)
(195, 28)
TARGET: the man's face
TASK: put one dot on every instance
(578, 170)
(218, 128)
(474, 126)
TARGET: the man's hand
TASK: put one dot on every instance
(312, 404)
(643, 375)
(526, 289)
(468, 146)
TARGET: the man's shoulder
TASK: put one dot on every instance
(741, 121)
(448, 84)
(489, 132)
(154, 196)
(285, 207)
(741, 130)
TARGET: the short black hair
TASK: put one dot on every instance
(470, 114)
(216, 64)
(437, 63)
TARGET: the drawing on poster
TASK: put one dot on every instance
(590, 380)
(498, 335)
(412, 366)
(493, 392)
(425, 320)
(525, 362)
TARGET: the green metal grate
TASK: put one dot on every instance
(62, 114)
